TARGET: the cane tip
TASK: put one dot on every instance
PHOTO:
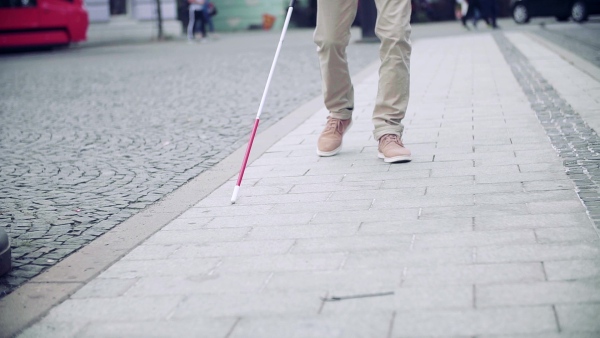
(235, 194)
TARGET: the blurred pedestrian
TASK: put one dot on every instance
(489, 9)
(332, 35)
(461, 9)
(196, 20)
(210, 10)
(473, 13)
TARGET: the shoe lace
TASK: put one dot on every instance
(334, 125)
(391, 138)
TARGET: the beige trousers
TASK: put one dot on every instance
(332, 35)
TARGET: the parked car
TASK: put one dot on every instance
(578, 10)
(26, 23)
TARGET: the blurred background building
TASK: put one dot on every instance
(237, 15)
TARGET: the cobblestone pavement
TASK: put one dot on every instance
(89, 136)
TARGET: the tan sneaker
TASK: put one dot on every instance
(391, 149)
(330, 141)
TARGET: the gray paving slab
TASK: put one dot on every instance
(568, 220)
(558, 235)
(336, 282)
(525, 320)
(198, 284)
(474, 274)
(400, 260)
(336, 230)
(237, 248)
(579, 317)
(114, 309)
(218, 327)
(483, 234)
(578, 334)
(536, 252)
(351, 325)
(544, 293)
(246, 305)
(584, 269)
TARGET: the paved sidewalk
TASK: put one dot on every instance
(481, 235)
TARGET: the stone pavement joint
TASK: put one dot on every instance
(488, 242)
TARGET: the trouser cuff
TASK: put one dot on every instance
(342, 114)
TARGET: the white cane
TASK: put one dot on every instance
(262, 103)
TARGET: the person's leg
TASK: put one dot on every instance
(332, 35)
(393, 29)
(200, 26)
(493, 13)
(467, 15)
(208, 19)
(471, 13)
(191, 24)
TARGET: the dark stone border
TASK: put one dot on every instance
(575, 141)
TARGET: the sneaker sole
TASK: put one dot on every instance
(395, 159)
(329, 153)
(334, 151)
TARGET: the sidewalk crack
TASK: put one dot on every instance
(403, 277)
(329, 197)
(544, 271)
(210, 273)
(233, 327)
(359, 227)
(343, 263)
(556, 318)
(323, 302)
(391, 328)
(262, 288)
(364, 295)
(292, 247)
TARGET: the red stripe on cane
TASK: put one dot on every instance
(245, 162)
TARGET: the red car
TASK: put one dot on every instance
(26, 23)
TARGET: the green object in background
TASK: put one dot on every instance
(239, 15)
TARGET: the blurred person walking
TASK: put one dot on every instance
(332, 35)
(461, 9)
(196, 20)
(489, 10)
(474, 13)
(209, 10)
